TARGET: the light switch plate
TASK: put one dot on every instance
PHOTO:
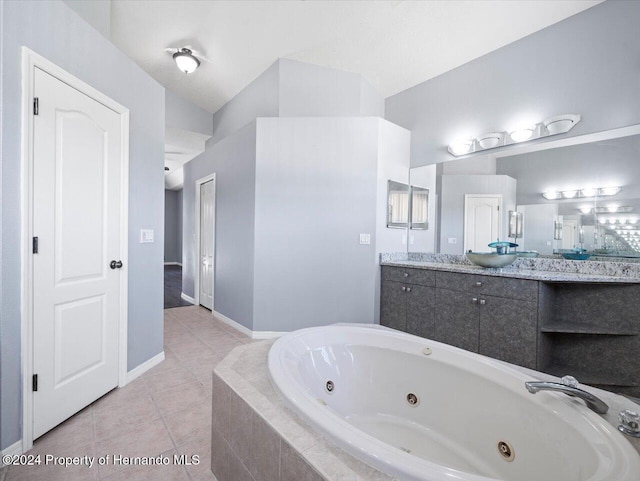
(146, 236)
(365, 239)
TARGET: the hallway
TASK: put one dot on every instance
(173, 287)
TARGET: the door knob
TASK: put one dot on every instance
(115, 264)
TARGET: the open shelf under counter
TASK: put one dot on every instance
(579, 328)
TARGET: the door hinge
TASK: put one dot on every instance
(36, 106)
(35, 245)
(34, 382)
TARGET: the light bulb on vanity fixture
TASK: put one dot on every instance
(522, 134)
(461, 147)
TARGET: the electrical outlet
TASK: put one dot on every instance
(452, 240)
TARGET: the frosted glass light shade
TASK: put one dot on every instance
(186, 61)
(520, 135)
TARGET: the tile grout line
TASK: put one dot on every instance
(166, 427)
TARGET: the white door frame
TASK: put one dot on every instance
(31, 60)
(464, 226)
(196, 293)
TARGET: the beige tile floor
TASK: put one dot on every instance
(166, 411)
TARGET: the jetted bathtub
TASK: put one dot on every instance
(421, 410)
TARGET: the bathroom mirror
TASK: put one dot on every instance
(419, 208)
(397, 205)
(575, 193)
(516, 220)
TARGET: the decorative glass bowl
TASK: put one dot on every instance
(491, 259)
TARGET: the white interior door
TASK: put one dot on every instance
(76, 217)
(482, 221)
(569, 234)
(207, 220)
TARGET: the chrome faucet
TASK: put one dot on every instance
(569, 387)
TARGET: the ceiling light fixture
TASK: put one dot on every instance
(559, 124)
(186, 61)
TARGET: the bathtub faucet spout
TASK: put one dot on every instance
(569, 387)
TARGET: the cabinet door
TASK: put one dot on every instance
(420, 310)
(508, 330)
(393, 305)
(456, 320)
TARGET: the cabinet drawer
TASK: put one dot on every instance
(493, 286)
(409, 276)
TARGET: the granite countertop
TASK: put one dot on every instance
(516, 273)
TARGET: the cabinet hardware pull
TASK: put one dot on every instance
(408, 289)
(478, 283)
(404, 288)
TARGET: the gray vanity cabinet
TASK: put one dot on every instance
(586, 329)
(494, 316)
(508, 330)
(456, 319)
(497, 327)
(409, 305)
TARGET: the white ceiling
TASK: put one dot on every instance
(394, 44)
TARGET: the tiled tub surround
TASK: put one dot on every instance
(541, 269)
(256, 438)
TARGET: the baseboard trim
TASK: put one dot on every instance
(236, 325)
(267, 334)
(138, 371)
(187, 298)
(173, 264)
(245, 330)
(14, 450)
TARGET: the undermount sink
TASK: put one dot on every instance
(491, 259)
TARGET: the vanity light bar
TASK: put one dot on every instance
(559, 124)
(610, 209)
(582, 193)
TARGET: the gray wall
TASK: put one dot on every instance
(315, 193)
(311, 90)
(258, 99)
(57, 33)
(585, 64)
(182, 114)
(173, 226)
(96, 13)
(454, 187)
(233, 161)
(537, 231)
(289, 88)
